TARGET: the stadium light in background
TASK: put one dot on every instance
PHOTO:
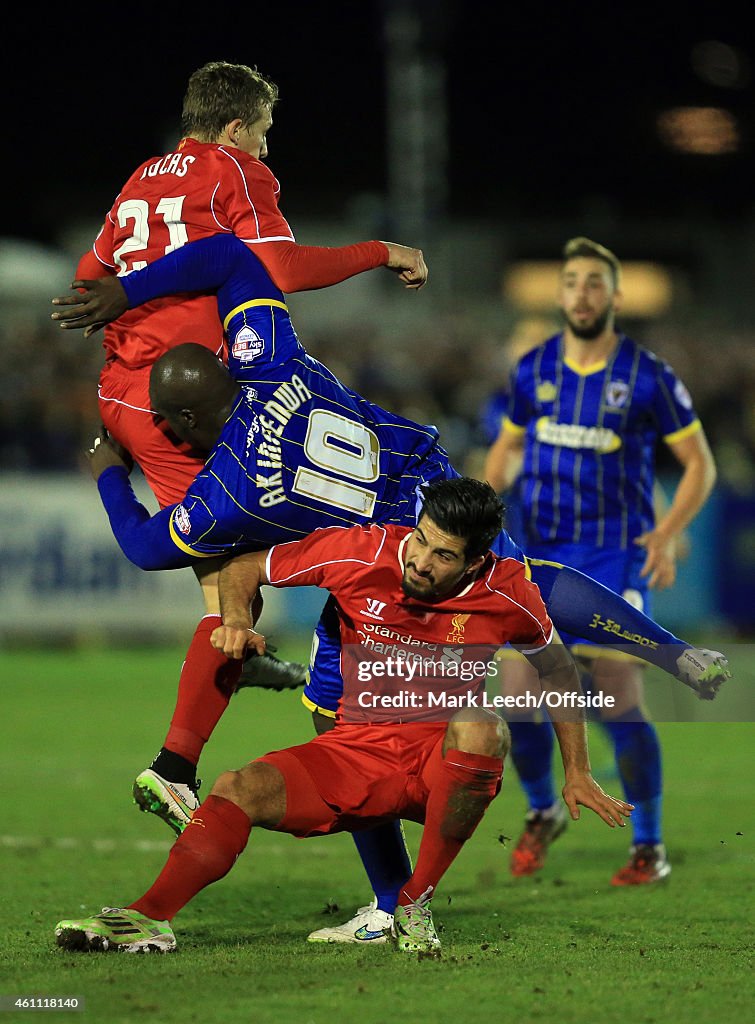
(647, 288)
(703, 131)
(720, 64)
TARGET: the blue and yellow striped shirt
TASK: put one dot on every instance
(590, 435)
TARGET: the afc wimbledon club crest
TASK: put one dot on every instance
(617, 393)
(247, 345)
(546, 391)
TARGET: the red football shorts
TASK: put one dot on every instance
(358, 776)
(169, 465)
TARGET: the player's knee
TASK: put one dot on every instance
(505, 736)
(478, 731)
(258, 789)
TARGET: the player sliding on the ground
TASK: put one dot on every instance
(425, 581)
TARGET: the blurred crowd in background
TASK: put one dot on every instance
(443, 372)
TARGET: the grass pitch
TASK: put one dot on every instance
(565, 947)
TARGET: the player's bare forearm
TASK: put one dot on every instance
(693, 490)
(558, 674)
(238, 584)
(580, 788)
(691, 494)
(572, 742)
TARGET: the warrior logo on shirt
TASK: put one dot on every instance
(374, 608)
(456, 636)
(247, 345)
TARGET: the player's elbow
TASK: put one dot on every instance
(280, 260)
(711, 471)
(705, 469)
(148, 558)
(287, 281)
(144, 560)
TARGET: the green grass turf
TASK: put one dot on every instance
(566, 947)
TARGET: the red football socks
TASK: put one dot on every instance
(208, 680)
(204, 852)
(458, 799)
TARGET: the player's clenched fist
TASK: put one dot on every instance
(106, 452)
(408, 263)
(235, 641)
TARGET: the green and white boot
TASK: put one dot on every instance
(174, 802)
(122, 931)
(413, 930)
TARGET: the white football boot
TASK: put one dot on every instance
(367, 927)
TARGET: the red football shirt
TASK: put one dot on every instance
(362, 566)
(198, 190)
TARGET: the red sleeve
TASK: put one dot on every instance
(90, 267)
(327, 558)
(297, 268)
(104, 244)
(250, 194)
(536, 628)
(525, 617)
(98, 261)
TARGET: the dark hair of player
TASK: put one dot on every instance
(465, 508)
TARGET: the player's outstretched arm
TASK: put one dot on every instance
(558, 675)
(296, 268)
(203, 266)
